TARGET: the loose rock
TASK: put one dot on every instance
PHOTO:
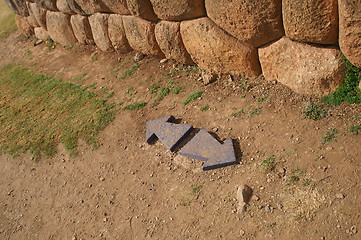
(208, 77)
(244, 194)
(99, 25)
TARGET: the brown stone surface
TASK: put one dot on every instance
(253, 22)
(170, 41)
(64, 7)
(18, 6)
(117, 6)
(39, 14)
(216, 51)
(140, 35)
(142, 8)
(304, 68)
(117, 33)
(82, 29)
(23, 25)
(90, 7)
(41, 33)
(99, 26)
(350, 30)
(47, 4)
(314, 21)
(177, 10)
(31, 18)
(59, 28)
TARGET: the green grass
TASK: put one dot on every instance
(254, 111)
(163, 93)
(7, 21)
(268, 164)
(135, 106)
(314, 111)
(205, 108)
(196, 188)
(130, 71)
(348, 92)
(238, 113)
(330, 136)
(354, 129)
(193, 96)
(37, 112)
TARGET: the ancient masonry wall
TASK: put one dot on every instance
(296, 42)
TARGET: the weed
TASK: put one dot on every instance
(81, 78)
(271, 225)
(353, 129)
(193, 96)
(177, 90)
(244, 85)
(94, 57)
(154, 88)
(130, 71)
(205, 108)
(314, 111)
(348, 92)
(135, 106)
(39, 112)
(329, 136)
(163, 93)
(254, 111)
(114, 71)
(196, 188)
(28, 52)
(242, 96)
(110, 95)
(268, 164)
(238, 113)
(264, 98)
(50, 44)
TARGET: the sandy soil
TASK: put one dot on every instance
(128, 189)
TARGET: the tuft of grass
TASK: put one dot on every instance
(254, 111)
(353, 129)
(348, 92)
(268, 164)
(154, 88)
(163, 93)
(196, 188)
(238, 113)
(81, 78)
(205, 108)
(38, 112)
(297, 175)
(114, 71)
(177, 89)
(329, 136)
(314, 111)
(135, 106)
(264, 98)
(130, 71)
(7, 21)
(193, 96)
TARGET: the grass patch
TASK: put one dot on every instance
(7, 21)
(193, 96)
(354, 129)
(314, 111)
(163, 93)
(238, 113)
(135, 106)
(268, 164)
(205, 108)
(130, 71)
(196, 188)
(37, 112)
(330, 136)
(348, 92)
(254, 111)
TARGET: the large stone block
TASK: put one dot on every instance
(170, 41)
(59, 28)
(313, 21)
(31, 18)
(74, 6)
(140, 35)
(41, 33)
(47, 4)
(304, 68)
(350, 30)
(90, 7)
(117, 6)
(82, 29)
(215, 50)
(99, 26)
(117, 33)
(64, 7)
(142, 8)
(39, 13)
(18, 6)
(24, 27)
(254, 22)
(177, 10)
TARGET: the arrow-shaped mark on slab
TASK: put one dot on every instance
(170, 134)
(206, 148)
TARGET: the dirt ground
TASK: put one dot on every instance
(128, 189)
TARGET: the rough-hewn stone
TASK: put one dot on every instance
(39, 14)
(350, 30)
(117, 33)
(59, 28)
(117, 6)
(64, 7)
(90, 7)
(304, 68)
(47, 4)
(41, 33)
(82, 29)
(253, 22)
(24, 27)
(314, 21)
(140, 35)
(177, 10)
(74, 6)
(142, 8)
(170, 41)
(18, 6)
(99, 26)
(216, 51)
(31, 18)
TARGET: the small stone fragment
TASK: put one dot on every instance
(138, 56)
(164, 60)
(208, 77)
(255, 198)
(244, 194)
(340, 196)
(267, 208)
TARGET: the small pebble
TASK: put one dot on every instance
(267, 208)
(242, 232)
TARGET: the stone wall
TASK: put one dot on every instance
(296, 42)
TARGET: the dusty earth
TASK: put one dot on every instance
(128, 189)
